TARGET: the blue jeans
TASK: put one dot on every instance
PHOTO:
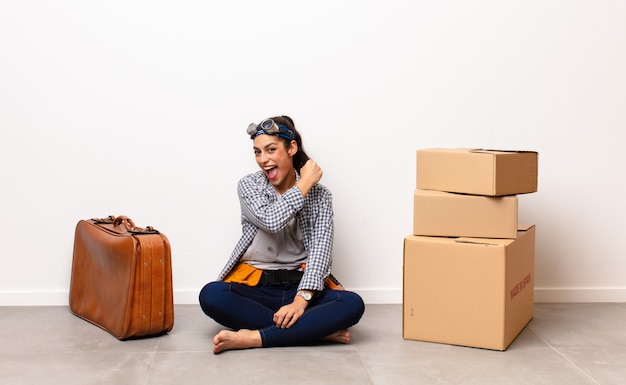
(238, 306)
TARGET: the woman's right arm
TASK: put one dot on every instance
(263, 208)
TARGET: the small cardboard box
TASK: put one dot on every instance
(468, 291)
(437, 213)
(477, 171)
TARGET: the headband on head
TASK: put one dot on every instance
(269, 127)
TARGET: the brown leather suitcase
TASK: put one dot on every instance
(122, 278)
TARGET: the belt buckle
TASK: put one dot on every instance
(282, 276)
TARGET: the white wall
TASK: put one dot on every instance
(140, 108)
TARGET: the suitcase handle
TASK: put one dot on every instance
(131, 228)
(128, 224)
(126, 221)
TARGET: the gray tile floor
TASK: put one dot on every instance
(564, 344)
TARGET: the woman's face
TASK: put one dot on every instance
(275, 160)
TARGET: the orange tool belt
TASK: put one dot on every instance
(249, 275)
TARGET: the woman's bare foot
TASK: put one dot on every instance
(342, 336)
(241, 339)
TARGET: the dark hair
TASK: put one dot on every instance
(300, 157)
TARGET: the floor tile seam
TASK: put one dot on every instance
(365, 366)
(581, 370)
(149, 373)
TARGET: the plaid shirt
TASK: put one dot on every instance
(263, 209)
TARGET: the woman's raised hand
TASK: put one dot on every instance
(310, 174)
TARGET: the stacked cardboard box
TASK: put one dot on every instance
(469, 266)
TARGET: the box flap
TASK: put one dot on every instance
(484, 241)
(492, 241)
(492, 151)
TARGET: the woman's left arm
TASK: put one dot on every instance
(318, 234)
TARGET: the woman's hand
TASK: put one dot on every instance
(310, 174)
(288, 315)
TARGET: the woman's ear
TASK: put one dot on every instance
(293, 148)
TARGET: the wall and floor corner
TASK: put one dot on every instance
(140, 108)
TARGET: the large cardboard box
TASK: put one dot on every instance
(437, 213)
(477, 171)
(468, 291)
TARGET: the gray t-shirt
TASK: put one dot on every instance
(282, 250)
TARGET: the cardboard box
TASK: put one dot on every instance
(476, 171)
(468, 291)
(437, 213)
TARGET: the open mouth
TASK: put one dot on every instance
(271, 172)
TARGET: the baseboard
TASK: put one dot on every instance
(34, 298)
(588, 294)
(370, 296)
